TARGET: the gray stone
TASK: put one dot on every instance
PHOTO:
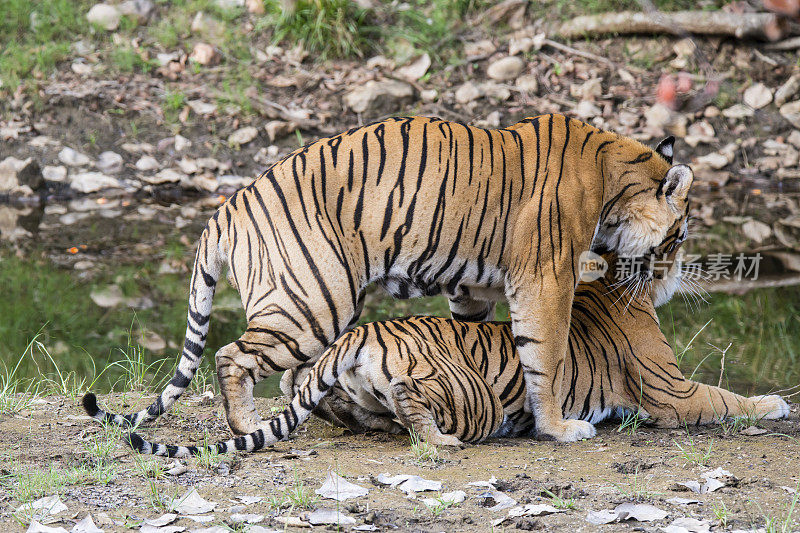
(109, 162)
(73, 158)
(791, 112)
(16, 173)
(506, 69)
(87, 182)
(105, 16)
(138, 9)
(384, 96)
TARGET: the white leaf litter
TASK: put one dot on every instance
(362, 527)
(452, 498)
(261, 529)
(192, 503)
(43, 508)
(212, 529)
(488, 484)
(330, 516)
(502, 500)
(199, 519)
(165, 529)
(338, 488)
(163, 520)
(682, 501)
(36, 527)
(641, 512)
(712, 481)
(249, 500)
(531, 509)
(86, 525)
(250, 518)
(409, 484)
(687, 525)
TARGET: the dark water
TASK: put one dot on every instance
(101, 285)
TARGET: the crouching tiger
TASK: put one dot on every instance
(456, 381)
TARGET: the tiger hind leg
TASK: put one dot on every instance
(413, 409)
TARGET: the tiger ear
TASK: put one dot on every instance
(665, 148)
(676, 184)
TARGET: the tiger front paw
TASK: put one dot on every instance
(567, 431)
(770, 406)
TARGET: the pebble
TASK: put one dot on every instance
(181, 143)
(73, 158)
(147, 163)
(201, 108)
(737, 111)
(167, 175)
(467, 93)
(54, 173)
(15, 173)
(87, 182)
(383, 95)
(416, 69)
(109, 162)
(757, 96)
(506, 69)
(277, 129)
(243, 135)
(204, 54)
(791, 112)
(528, 83)
(787, 90)
(138, 9)
(104, 15)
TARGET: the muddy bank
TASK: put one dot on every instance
(757, 480)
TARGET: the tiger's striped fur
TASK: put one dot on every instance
(456, 381)
(423, 206)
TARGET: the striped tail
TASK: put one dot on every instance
(208, 265)
(337, 359)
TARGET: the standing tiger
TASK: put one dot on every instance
(424, 206)
(454, 381)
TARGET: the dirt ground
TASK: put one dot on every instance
(597, 474)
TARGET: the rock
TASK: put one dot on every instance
(243, 135)
(467, 93)
(109, 162)
(73, 158)
(794, 138)
(700, 132)
(756, 230)
(523, 41)
(137, 148)
(713, 160)
(787, 90)
(81, 68)
(586, 110)
(711, 112)
(165, 58)
(167, 175)
(204, 54)
(233, 181)
(229, 4)
(189, 166)
(478, 49)
(181, 143)
(255, 7)
(495, 91)
(152, 341)
(105, 16)
(384, 96)
(757, 96)
(588, 90)
(429, 95)
(147, 163)
(492, 120)
(87, 182)
(506, 69)
(737, 111)
(137, 9)
(416, 69)
(277, 129)
(54, 173)
(201, 108)
(110, 296)
(791, 112)
(658, 116)
(528, 83)
(16, 173)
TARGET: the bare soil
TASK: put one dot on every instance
(597, 474)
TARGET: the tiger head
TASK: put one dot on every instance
(657, 274)
(644, 196)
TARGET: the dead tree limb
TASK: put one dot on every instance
(740, 25)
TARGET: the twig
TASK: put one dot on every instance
(787, 44)
(576, 52)
(740, 25)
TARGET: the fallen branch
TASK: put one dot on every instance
(740, 25)
(745, 285)
(787, 44)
